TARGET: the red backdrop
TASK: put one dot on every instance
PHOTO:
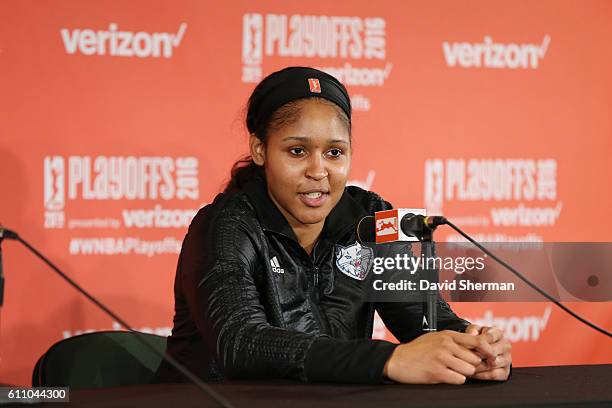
(120, 119)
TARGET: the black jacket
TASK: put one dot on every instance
(250, 302)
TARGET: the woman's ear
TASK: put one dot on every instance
(258, 150)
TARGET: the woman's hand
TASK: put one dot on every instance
(498, 367)
(440, 357)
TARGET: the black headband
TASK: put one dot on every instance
(300, 82)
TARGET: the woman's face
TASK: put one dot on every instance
(307, 163)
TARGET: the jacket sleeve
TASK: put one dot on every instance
(219, 260)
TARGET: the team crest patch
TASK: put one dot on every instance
(355, 260)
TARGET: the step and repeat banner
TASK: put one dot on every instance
(119, 120)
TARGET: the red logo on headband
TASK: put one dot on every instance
(315, 86)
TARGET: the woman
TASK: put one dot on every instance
(258, 291)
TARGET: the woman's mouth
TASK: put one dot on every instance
(314, 198)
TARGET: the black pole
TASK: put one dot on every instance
(430, 303)
(1, 272)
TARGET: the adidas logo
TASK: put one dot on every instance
(276, 266)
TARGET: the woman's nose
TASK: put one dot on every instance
(316, 168)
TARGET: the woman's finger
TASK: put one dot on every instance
(458, 365)
(501, 347)
(466, 355)
(497, 374)
(493, 334)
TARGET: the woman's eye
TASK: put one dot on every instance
(335, 152)
(296, 151)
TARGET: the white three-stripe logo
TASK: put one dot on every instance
(276, 266)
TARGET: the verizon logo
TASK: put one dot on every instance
(488, 54)
(158, 217)
(122, 43)
(526, 216)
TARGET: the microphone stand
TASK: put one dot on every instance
(430, 303)
(1, 279)
(4, 233)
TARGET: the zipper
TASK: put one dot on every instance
(315, 302)
(315, 278)
(314, 297)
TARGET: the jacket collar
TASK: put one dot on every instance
(345, 214)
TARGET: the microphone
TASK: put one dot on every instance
(7, 233)
(417, 225)
(366, 230)
(383, 226)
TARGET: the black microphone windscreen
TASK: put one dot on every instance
(366, 230)
(412, 224)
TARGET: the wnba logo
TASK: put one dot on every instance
(252, 39)
(54, 195)
(434, 178)
(54, 191)
(252, 47)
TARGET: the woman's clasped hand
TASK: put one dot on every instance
(452, 357)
